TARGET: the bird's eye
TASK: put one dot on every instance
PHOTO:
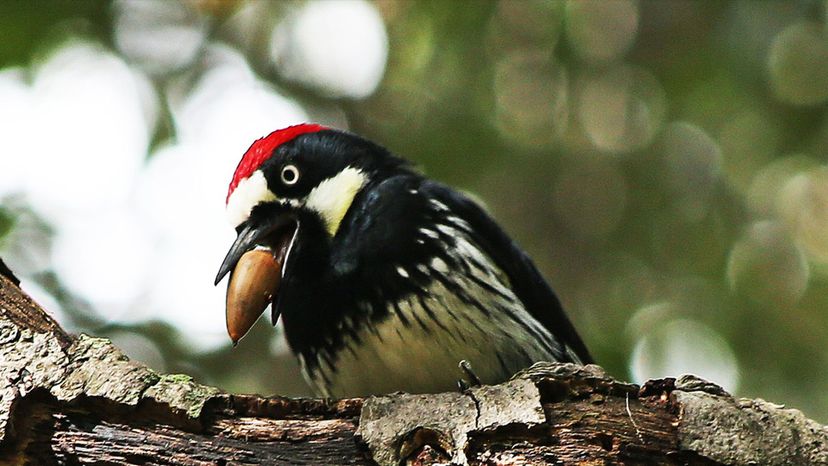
(290, 174)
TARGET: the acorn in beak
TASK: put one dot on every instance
(256, 263)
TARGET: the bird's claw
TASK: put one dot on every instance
(473, 380)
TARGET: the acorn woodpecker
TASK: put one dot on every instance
(385, 279)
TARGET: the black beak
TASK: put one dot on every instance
(251, 234)
(256, 263)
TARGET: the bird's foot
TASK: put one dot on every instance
(473, 380)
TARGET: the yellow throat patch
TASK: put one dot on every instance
(334, 196)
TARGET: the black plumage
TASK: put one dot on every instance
(414, 277)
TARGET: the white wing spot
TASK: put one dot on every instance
(439, 265)
(403, 273)
(446, 229)
(430, 233)
(439, 205)
(349, 322)
(458, 221)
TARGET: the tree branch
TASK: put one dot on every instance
(79, 400)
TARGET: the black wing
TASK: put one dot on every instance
(526, 281)
(405, 199)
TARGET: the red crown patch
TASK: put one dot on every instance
(263, 148)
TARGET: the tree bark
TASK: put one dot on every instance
(78, 400)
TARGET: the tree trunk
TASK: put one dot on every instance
(79, 400)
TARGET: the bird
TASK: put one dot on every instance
(384, 279)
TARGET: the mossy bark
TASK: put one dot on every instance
(79, 400)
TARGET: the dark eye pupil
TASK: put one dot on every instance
(289, 175)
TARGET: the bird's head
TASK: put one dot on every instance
(296, 181)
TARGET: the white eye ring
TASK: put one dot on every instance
(290, 175)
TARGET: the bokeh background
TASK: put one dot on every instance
(664, 162)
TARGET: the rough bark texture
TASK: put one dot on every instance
(79, 400)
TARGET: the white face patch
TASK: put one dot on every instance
(333, 197)
(250, 191)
